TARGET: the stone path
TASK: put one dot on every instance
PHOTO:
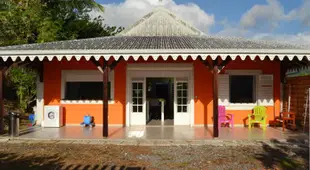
(150, 142)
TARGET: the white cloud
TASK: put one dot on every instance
(268, 16)
(259, 16)
(263, 16)
(302, 13)
(299, 38)
(127, 13)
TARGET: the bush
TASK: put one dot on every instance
(23, 81)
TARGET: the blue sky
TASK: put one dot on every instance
(259, 19)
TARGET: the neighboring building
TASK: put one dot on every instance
(160, 56)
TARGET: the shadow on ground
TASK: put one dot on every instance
(14, 161)
(293, 154)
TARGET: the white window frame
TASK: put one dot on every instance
(80, 76)
(244, 106)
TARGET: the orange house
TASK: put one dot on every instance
(160, 70)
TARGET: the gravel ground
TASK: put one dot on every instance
(258, 155)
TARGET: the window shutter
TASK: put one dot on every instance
(223, 89)
(265, 90)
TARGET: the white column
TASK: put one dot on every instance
(162, 112)
(40, 103)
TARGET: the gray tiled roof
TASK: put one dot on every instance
(156, 42)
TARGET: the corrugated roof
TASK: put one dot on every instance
(161, 22)
(153, 33)
(156, 42)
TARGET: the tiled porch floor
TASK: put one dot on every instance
(164, 132)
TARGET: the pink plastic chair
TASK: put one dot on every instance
(225, 118)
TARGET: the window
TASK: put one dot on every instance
(85, 87)
(242, 89)
(85, 91)
(137, 97)
(182, 96)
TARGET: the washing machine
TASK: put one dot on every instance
(53, 116)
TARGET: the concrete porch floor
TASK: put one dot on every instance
(159, 133)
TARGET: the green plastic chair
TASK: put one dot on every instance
(259, 116)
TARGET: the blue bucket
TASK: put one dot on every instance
(31, 117)
(87, 120)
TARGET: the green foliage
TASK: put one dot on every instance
(24, 81)
(39, 21)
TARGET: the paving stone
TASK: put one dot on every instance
(115, 142)
(129, 142)
(65, 142)
(3, 140)
(197, 142)
(48, 141)
(145, 143)
(179, 143)
(97, 142)
(80, 142)
(33, 141)
(17, 141)
(162, 143)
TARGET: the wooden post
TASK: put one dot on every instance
(289, 98)
(215, 101)
(105, 100)
(1, 103)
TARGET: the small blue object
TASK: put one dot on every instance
(88, 121)
(32, 119)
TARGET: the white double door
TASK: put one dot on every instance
(137, 106)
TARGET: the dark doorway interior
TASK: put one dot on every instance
(158, 89)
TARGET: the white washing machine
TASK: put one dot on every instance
(53, 116)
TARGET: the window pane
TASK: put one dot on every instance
(134, 93)
(184, 93)
(85, 91)
(184, 85)
(184, 100)
(139, 108)
(179, 108)
(140, 93)
(134, 100)
(179, 86)
(184, 108)
(134, 85)
(179, 93)
(242, 89)
(135, 108)
(139, 100)
(179, 101)
(139, 85)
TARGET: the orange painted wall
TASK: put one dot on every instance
(117, 114)
(203, 90)
(267, 67)
(74, 112)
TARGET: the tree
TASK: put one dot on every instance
(23, 80)
(39, 21)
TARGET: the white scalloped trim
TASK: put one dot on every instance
(243, 54)
(84, 102)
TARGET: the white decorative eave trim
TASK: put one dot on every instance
(155, 54)
(85, 102)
